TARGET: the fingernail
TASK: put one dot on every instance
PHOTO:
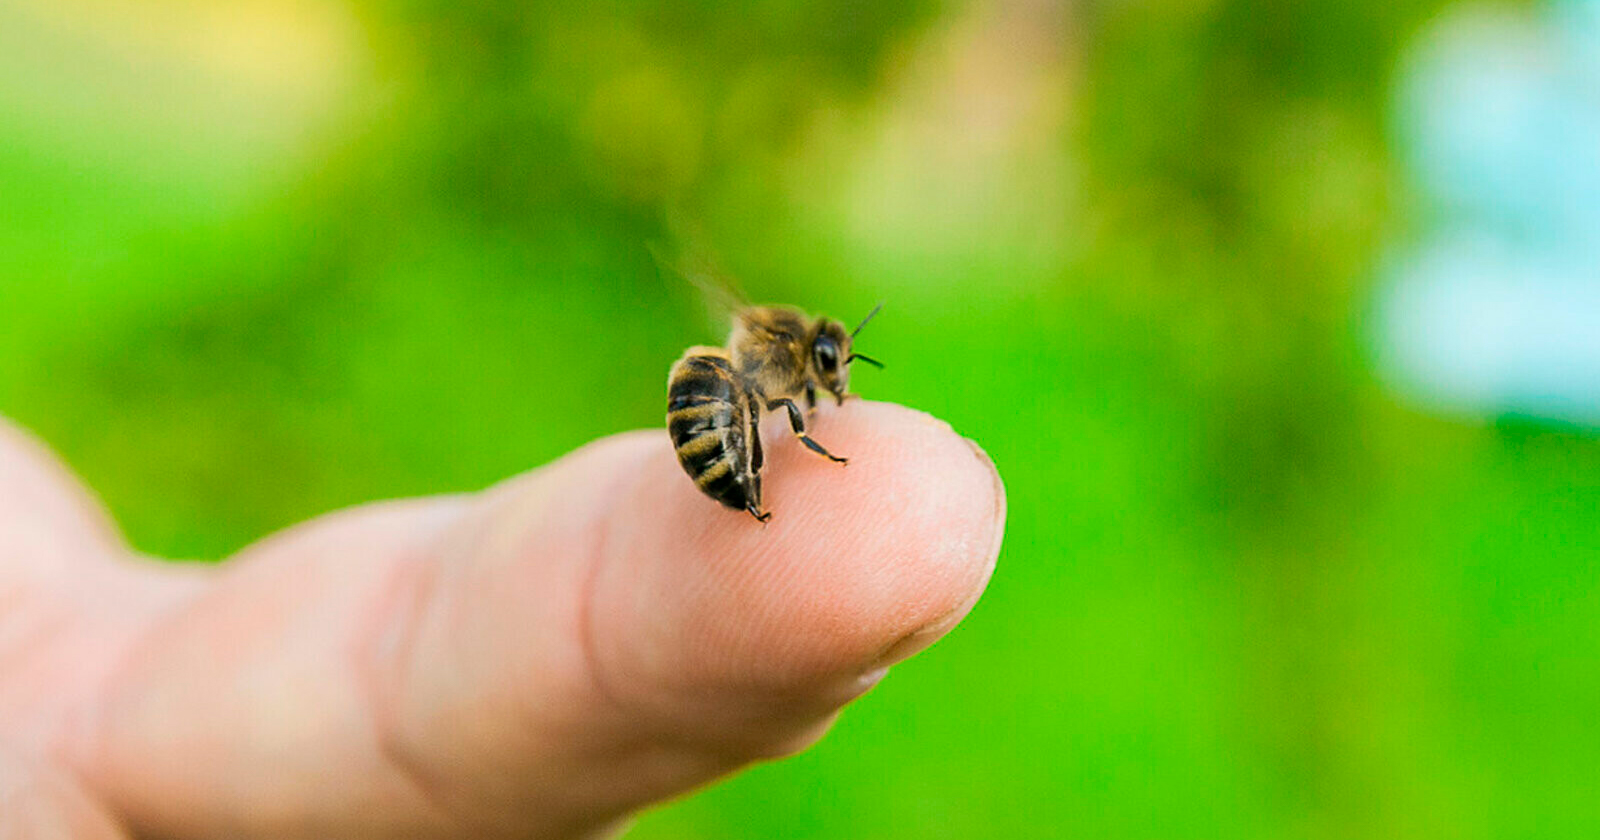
(915, 641)
(872, 677)
(930, 632)
(994, 475)
(999, 496)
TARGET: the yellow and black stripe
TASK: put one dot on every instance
(711, 422)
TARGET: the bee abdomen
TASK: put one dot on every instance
(692, 421)
(701, 377)
(689, 400)
(706, 420)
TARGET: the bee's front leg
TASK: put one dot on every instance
(811, 399)
(797, 423)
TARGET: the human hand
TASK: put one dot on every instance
(537, 660)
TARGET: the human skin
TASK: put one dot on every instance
(539, 660)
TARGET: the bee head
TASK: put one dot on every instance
(831, 355)
(830, 347)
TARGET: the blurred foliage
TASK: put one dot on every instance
(399, 248)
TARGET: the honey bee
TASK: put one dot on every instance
(716, 396)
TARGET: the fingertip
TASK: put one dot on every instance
(860, 566)
(637, 621)
(903, 542)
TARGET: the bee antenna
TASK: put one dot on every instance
(866, 319)
(868, 359)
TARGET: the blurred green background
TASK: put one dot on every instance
(261, 259)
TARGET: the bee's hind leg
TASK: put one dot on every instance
(798, 423)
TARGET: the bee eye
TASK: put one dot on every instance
(827, 356)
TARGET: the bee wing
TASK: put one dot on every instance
(720, 292)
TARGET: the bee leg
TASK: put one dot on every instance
(757, 460)
(811, 399)
(798, 423)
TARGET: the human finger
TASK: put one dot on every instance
(556, 651)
